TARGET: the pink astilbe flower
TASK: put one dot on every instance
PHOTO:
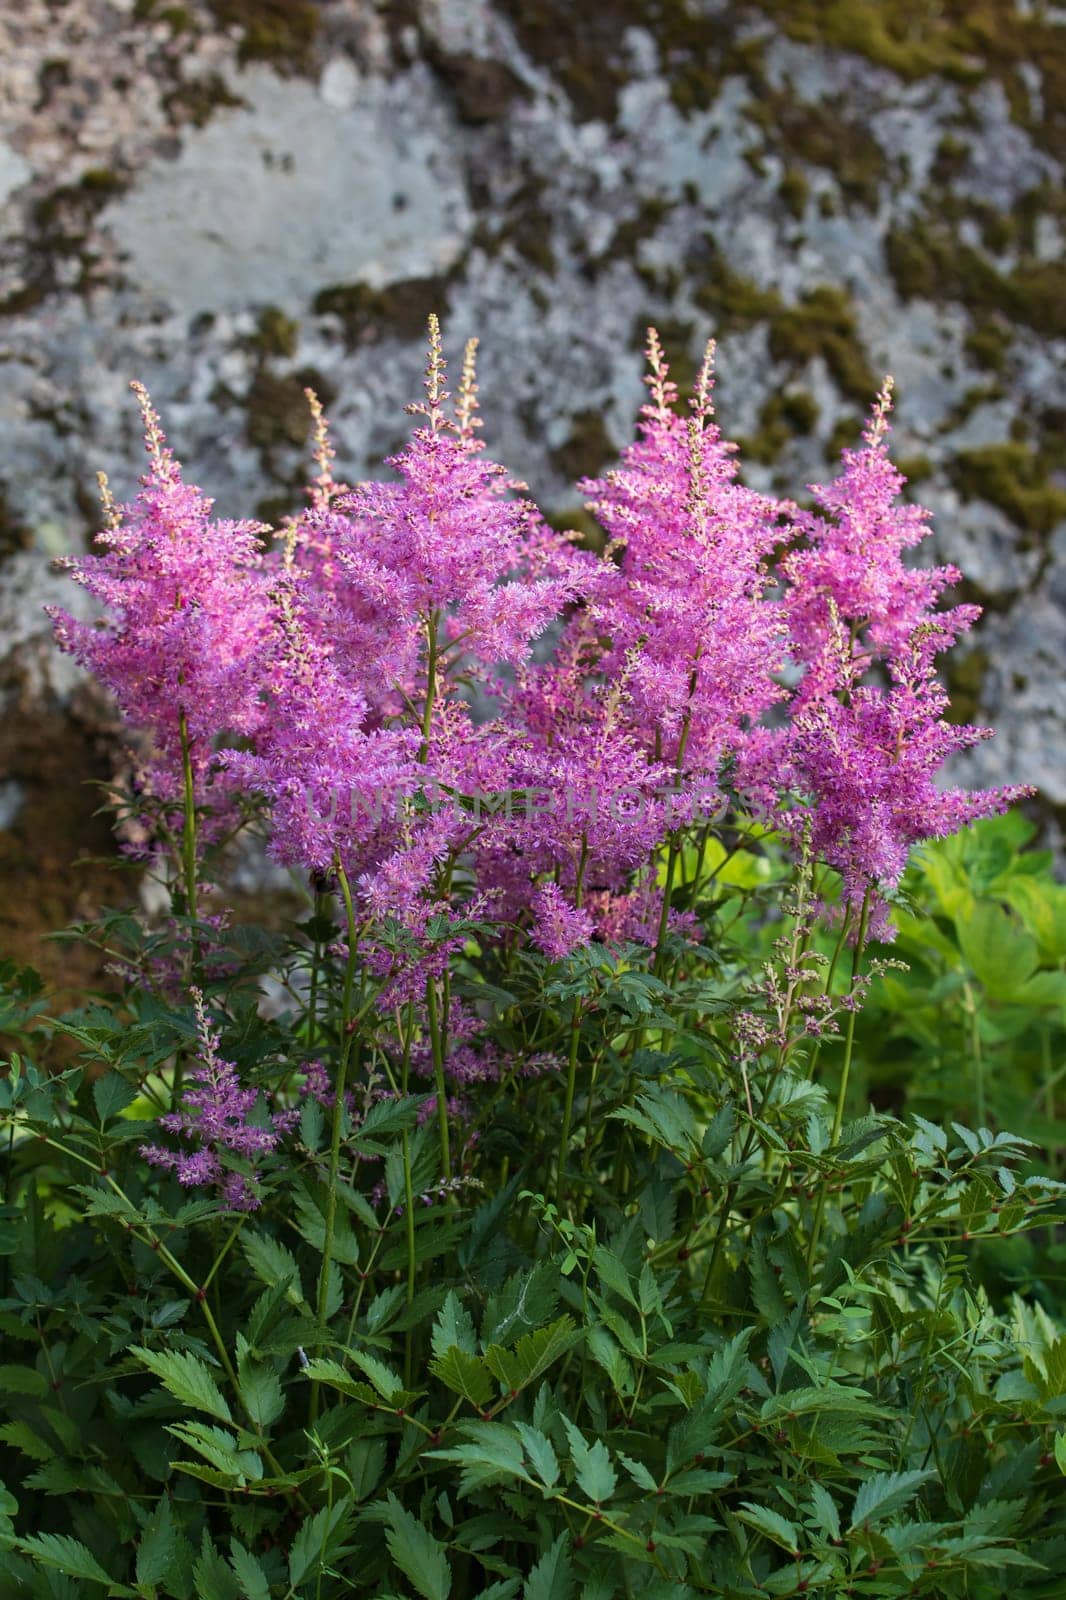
(334, 784)
(391, 599)
(442, 553)
(686, 610)
(558, 927)
(186, 614)
(214, 1118)
(858, 762)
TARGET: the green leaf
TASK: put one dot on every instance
(64, 1554)
(1000, 953)
(157, 1551)
(533, 1354)
(592, 1464)
(553, 1577)
(187, 1378)
(220, 1449)
(420, 1557)
(112, 1094)
(825, 1509)
(538, 1448)
(388, 1383)
(23, 1380)
(884, 1493)
(1060, 1451)
(212, 1578)
(22, 1437)
(273, 1263)
(454, 1327)
(316, 1540)
(464, 1374)
(253, 1581)
(771, 1524)
(260, 1388)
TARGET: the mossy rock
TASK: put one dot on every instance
(399, 310)
(964, 675)
(1015, 478)
(276, 334)
(14, 533)
(823, 324)
(279, 31)
(587, 450)
(196, 100)
(277, 412)
(786, 415)
(824, 136)
(927, 261)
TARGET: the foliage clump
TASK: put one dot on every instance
(508, 1226)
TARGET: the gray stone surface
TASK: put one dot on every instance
(231, 198)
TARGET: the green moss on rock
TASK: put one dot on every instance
(927, 261)
(276, 406)
(279, 31)
(399, 310)
(964, 677)
(825, 135)
(276, 334)
(823, 324)
(785, 415)
(14, 533)
(588, 448)
(1016, 479)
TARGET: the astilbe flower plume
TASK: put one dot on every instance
(674, 656)
(213, 1119)
(392, 599)
(185, 616)
(867, 733)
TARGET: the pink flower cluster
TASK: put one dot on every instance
(215, 1119)
(726, 648)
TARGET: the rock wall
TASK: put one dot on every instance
(231, 199)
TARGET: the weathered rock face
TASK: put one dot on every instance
(231, 199)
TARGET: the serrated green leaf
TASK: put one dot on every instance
(62, 1553)
(464, 1374)
(453, 1327)
(825, 1510)
(212, 1577)
(317, 1540)
(771, 1524)
(592, 1464)
(538, 1448)
(22, 1437)
(273, 1263)
(157, 1548)
(112, 1094)
(420, 1557)
(23, 1380)
(260, 1389)
(253, 1581)
(220, 1449)
(187, 1378)
(533, 1354)
(553, 1576)
(884, 1493)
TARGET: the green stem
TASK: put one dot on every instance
(438, 1077)
(575, 1036)
(408, 1189)
(197, 1292)
(845, 1071)
(347, 1039)
(849, 1037)
(188, 828)
(188, 872)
